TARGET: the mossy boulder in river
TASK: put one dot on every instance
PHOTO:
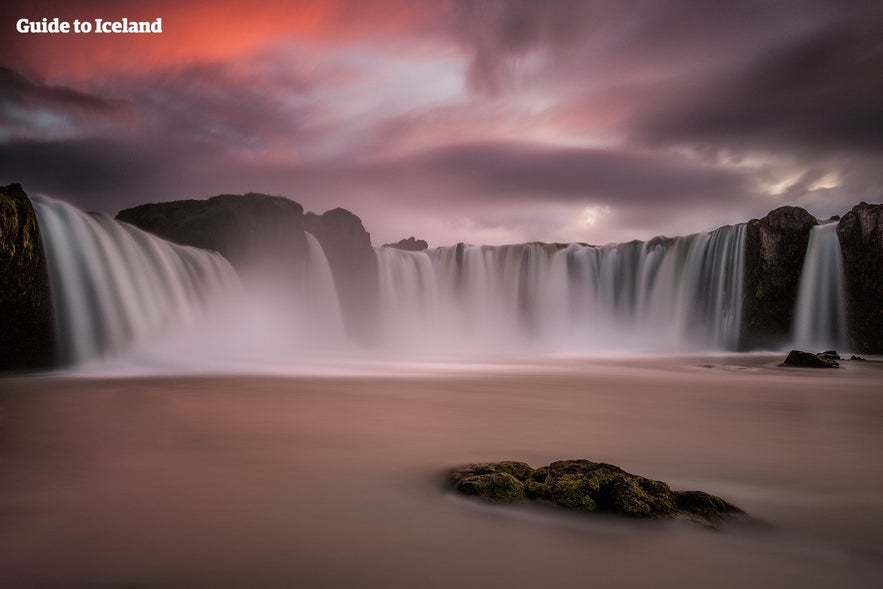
(586, 486)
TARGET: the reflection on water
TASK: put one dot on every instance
(234, 481)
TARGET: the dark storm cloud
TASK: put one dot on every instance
(518, 171)
(790, 74)
(18, 89)
(96, 173)
(242, 109)
(821, 91)
(29, 107)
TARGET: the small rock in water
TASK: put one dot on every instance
(809, 360)
(854, 357)
(582, 485)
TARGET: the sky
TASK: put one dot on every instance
(483, 121)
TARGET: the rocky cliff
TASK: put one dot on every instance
(27, 337)
(353, 264)
(411, 244)
(259, 234)
(861, 240)
(774, 250)
(255, 232)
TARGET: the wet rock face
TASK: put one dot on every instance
(861, 240)
(27, 334)
(586, 486)
(775, 247)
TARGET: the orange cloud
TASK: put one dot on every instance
(199, 31)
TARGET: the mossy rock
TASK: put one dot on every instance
(501, 482)
(585, 486)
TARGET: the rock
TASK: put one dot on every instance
(587, 486)
(27, 332)
(859, 358)
(257, 233)
(775, 247)
(410, 244)
(829, 355)
(353, 264)
(808, 360)
(501, 482)
(861, 241)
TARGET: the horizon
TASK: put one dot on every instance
(378, 244)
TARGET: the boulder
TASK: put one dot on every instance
(410, 244)
(775, 247)
(585, 486)
(861, 241)
(353, 264)
(27, 332)
(808, 360)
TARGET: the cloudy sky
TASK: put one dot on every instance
(477, 120)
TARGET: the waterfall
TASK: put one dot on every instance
(116, 287)
(114, 284)
(676, 293)
(820, 319)
(320, 297)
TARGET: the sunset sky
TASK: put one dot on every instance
(476, 121)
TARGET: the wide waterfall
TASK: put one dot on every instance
(114, 284)
(661, 294)
(820, 319)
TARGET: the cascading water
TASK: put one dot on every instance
(114, 284)
(664, 293)
(320, 297)
(820, 319)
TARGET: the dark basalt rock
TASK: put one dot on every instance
(27, 333)
(586, 486)
(411, 244)
(807, 360)
(861, 241)
(775, 247)
(353, 264)
(255, 232)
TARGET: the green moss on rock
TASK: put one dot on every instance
(586, 486)
(501, 482)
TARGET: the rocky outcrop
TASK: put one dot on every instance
(255, 232)
(861, 240)
(27, 336)
(801, 359)
(409, 245)
(587, 486)
(775, 247)
(353, 264)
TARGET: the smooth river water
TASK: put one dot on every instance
(336, 481)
